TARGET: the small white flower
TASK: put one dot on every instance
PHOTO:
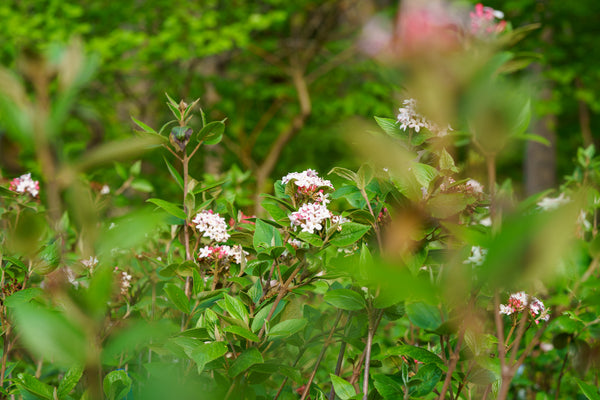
(408, 117)
(105, 190)
(477, 256)
(90, 262)
(548, 204)
(486, 221)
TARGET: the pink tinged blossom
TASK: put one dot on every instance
(521, 301)
(474, 186)
(24, 184)
(426, 29)
(222, 253)
(483, 20)
(307, 180)
(310, 217)
(212, 225)
(90, 263)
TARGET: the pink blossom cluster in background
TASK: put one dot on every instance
(521, 301)
(212, 224)
(24, 184)
(483, 20)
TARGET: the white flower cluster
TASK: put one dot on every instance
(125, 282)
(521, 301)
(474, 186)
(215, 253)
(310, 217)
(90, 262)
(477, 256)
(213, 225)
(308, 179)
(24, 184)
(548, 204)
(408, 117)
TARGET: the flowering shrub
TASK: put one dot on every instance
(387, 284)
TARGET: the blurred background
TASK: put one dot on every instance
(286, 74)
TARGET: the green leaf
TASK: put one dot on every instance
(416, 353)
(274, 210)
(534, 138)
(388, 386)
(207, 352)
(261, 315)
(345, 299)
(236, 309)
(170, 208)
(243, 332)
(424, 173)
(351, 232)
(144, 127)
(117, 385)
(446, 162)
(590, 391)
(429, 375)
(311, 238)
(61, 341)
(343, 389)
(344, 173)
(287, 328)
(34, 386)
(177, 297)
(424, 315)
(22, 296)
(244, 361)
(68, 383)
(265, 237)
(273, 368)
(212, 133)
(390, 126)
(445, 205)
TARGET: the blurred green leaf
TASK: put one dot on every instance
(243, 332)
(424, 315)
(345, 299)
(61, 341)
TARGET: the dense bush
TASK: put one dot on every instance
(404, 278)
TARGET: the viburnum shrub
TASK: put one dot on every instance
(405, 278)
